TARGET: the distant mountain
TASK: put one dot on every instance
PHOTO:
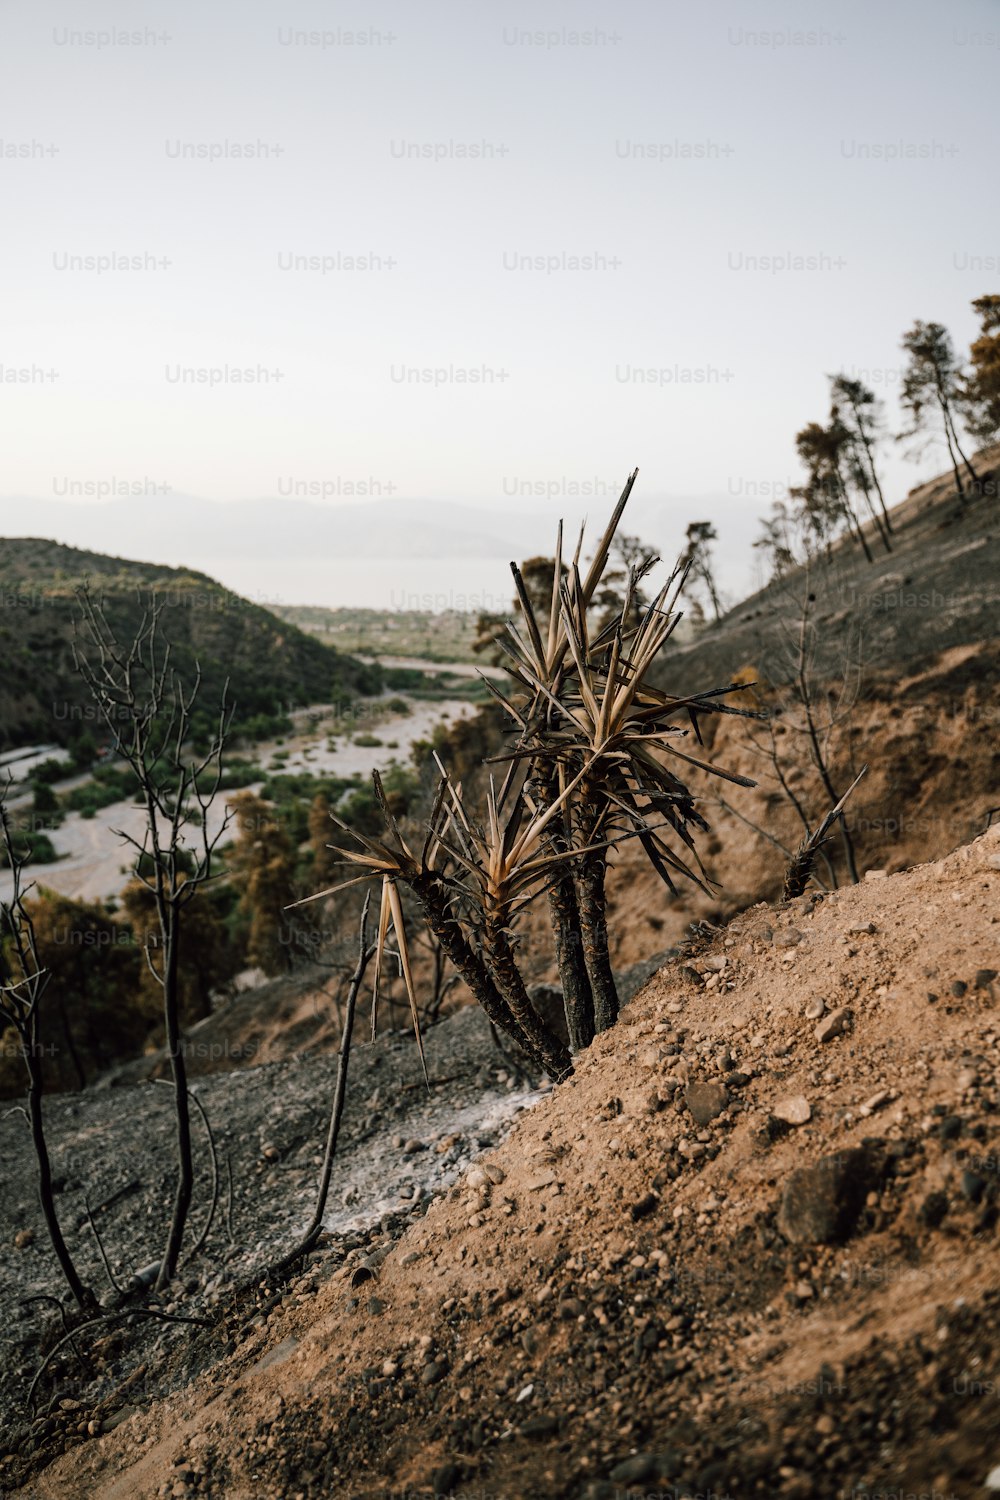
(171, 525)
(277, 528)
(270, 663)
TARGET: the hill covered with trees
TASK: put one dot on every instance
(271, 665)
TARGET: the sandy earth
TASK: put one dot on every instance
(635, 1293)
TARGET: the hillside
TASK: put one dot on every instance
(937, 589)
(271, 665)
(750, 1249)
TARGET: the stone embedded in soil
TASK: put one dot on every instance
(795, 1110)
(634, 1470)
(820, 1204)
(705, 1101)
(835, 1024)
(814, 1009)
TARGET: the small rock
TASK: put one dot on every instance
(444, 1479)
(862, 929)
(814, 1009)
(705, 1101)
(984, 978)
(876, 874)
(646, 1205)
(933, 1209)
(494, 1173)
(795, 1110)
(543, 1180)
(433, 1372)
(789, 937)
(992, 1480)
(972, 1186)
(958, 988)
(834, 1024)
(539, 1427)
(820, 1204)
(412, 1146)
(634, 1470)
(477, 1178)
(526, 1393)
(23, 1238)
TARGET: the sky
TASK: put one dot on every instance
(477, 252)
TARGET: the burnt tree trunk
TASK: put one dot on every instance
(503, 967)
(30, 1046)
(178, 1069)
(578, 1001)
(594, 929)
(472, 969)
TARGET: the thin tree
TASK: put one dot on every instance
(147, 710)
(23, 981)
(932, 383)
(980, 393)
(862, 414)
(822, 450)
(697, 561)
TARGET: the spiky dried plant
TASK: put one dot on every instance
(591, 699)
(444, 879)
(592, 765)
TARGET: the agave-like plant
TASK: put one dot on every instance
(590, 700)
(591, 765)
(506, 863)
(439, 879)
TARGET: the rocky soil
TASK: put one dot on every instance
(749, 1249)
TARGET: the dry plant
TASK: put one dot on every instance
(23, 982)
(147, 711)
(593, 762)
(804, 731)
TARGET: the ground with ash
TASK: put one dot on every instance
(749, 1249)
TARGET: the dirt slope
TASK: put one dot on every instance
(624, 1298)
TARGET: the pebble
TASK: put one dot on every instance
(705, 1101)
(834, 1024)
(23, 1238)
(795, 1110)
(863, 928)
(992, 1480)
(820, 1204)
(814, 1009)
(790, 937)
(875, 1102)
(543, 1180)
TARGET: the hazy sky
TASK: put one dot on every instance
(452, 144)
